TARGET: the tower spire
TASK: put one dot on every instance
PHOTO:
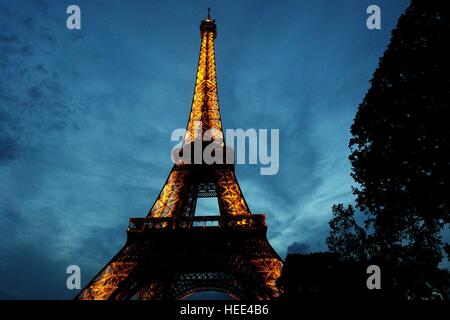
(205, 110)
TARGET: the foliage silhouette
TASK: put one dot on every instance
(400, 157)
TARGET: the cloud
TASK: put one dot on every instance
(9, 149)
(299, 248)
(28, 22)
(35, 93)
(31, 274)
(9, 39)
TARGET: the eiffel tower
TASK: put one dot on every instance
(171, 253)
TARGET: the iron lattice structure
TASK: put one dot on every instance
(172, 253)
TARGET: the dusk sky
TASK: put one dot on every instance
(86, 118)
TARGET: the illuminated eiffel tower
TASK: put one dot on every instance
(172, 253)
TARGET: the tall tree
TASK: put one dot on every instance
(400, 152)
(346, 237)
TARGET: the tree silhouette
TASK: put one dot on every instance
(346, 237)
(400, 156)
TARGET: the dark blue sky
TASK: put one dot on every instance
(86, 118)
